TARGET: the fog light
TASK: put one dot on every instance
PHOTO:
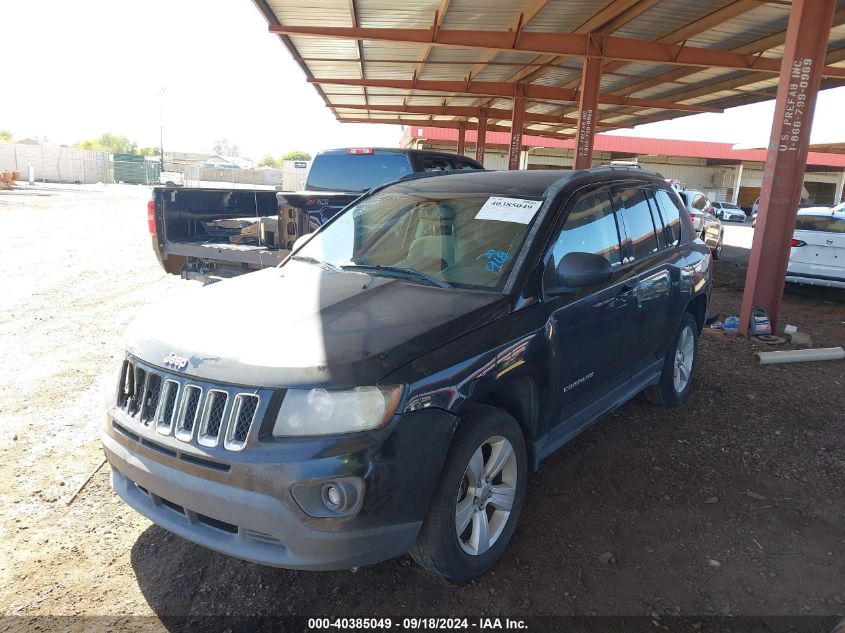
(334, 496)
(330, 498)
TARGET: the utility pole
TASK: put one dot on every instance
(161, 124)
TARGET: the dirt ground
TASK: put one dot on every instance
(732, 504)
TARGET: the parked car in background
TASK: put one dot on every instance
(698, 205)
(817, 256)
(172, 178)
(802, 205)
(706, 225)
(729, 212)
(430, 345)
(214, 233)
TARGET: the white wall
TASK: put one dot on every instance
(55, 164)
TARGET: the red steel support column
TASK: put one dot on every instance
(783, 177)
(517, 123)
(462, 139)
(481, 136)
(587, 112)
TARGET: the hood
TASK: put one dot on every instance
(302, 326)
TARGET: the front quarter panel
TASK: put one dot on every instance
(467, 369)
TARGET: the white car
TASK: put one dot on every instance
(172, 179)
(818, 248)
(728, 212)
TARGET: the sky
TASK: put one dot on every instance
(91, 66)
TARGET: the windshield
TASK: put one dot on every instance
(467, 241)
(356, 172)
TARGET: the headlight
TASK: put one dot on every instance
(324, 412)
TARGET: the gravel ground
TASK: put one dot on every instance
(732, 504)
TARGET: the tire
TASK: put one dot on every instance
(666, 392)
(717, 252)
(483, 433)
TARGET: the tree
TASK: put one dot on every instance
(5, 136)
(112, 143)
(297, 154)
(149, 151)
(222, 147)
(269, 161)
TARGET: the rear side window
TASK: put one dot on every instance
(435, 163)
(463, 164)
(356, 172)
(823, 223)
(590, 227)
(671, 213)
(637, 217)
(656, 220)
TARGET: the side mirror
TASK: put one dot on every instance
(577, 270)
(300, 241)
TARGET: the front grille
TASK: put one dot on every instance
(188, 412)
(193, 411)
(149, 399)
(245, 408)
(212, 418)
(169, 394)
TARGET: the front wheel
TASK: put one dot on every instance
(676, 377)
(477, 502)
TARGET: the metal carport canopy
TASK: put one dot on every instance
(531, 65)
(660, 59)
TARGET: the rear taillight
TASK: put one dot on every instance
(692, 217)
(151, 217)
(360, 150)
(797, 243)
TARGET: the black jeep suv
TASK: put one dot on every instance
(418, 354)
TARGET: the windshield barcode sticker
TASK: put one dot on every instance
(509, 210)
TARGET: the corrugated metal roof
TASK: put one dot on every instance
(746, 26)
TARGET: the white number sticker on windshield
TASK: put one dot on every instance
(509, 210)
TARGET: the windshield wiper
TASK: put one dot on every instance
(396, 271)
(316, 262)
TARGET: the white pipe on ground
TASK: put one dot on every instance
(800, 355)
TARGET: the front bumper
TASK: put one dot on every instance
(243, 505)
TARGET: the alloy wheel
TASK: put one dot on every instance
(684, 358)
(486, 495)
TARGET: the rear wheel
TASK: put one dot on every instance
(676, 378)
(717, 252)
(477, 502)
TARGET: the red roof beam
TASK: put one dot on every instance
(575, 44)
(505, 89)
(455, 125)
(465, 111)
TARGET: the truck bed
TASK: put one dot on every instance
(253, 254)
(195, 227)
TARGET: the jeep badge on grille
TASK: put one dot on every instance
(174, 361)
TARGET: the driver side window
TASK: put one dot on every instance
(590, 227)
